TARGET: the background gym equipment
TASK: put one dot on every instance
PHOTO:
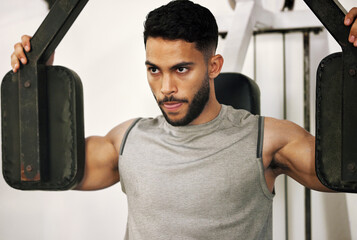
(42, 113)
(336, 104)
(238, 91)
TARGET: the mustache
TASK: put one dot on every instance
(171, 99)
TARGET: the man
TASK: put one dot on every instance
(202, 170)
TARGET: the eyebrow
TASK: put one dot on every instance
(150, 63)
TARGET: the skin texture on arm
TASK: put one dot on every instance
(289, 149)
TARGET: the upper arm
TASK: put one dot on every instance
(291, 151)
(102, 155)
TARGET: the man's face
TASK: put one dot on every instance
(177, 74)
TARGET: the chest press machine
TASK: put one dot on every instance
(42, 112)
(42, 108)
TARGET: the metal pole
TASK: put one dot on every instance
(255, 56)
(285, 117)
(306, 35)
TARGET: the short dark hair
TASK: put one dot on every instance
(183, 19)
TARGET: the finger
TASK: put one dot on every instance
(15, 64)
(350, 20)
(350, 16)
(19, 53)
(25, 40)
(353, 34)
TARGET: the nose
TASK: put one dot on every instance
(168, 86)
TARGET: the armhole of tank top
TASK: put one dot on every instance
(269, 194)
(260, 137)
(126, 135)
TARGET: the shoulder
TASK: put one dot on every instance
(117, 134)
(240, 117)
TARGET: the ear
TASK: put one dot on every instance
(215, 66)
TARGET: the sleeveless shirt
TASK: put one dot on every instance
(196, 182)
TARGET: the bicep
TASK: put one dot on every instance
(101, 168)
(297, 159)
(102, 157)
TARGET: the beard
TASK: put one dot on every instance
(195, 108)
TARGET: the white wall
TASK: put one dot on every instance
(105, 48)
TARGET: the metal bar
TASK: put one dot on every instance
(31, 118)
(306, 36)
(292, 30)
(284, 78)
(33, 88)
(62, 32)
(285, 117)
(331, 14)
(255, 56)
(307, 98)
(53, 28)
(307, 214)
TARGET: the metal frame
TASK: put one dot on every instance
(307, 109)
(250, 16)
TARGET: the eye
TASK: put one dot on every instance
(182, 69)
(153, 70)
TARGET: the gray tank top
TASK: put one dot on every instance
(196, 182)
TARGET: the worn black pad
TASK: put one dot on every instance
(238, 91)
(330, 158)
(64, 167)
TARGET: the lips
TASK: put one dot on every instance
(172, 106)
